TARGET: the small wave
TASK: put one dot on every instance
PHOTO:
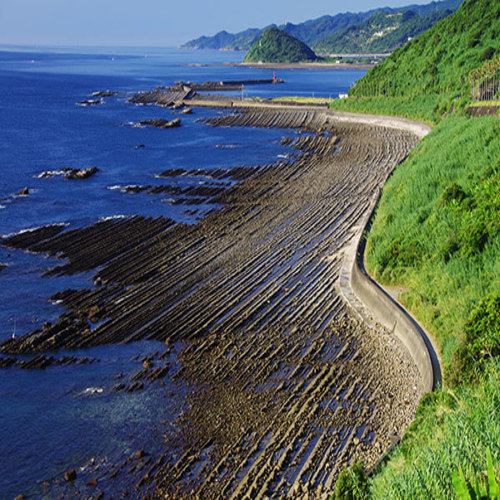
(226, 146)
(112, 217)
(132, 125)
(2, 207)
(31, 229)
(49, 173)
(114, 188)
(90, 391)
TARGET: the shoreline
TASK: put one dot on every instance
(302, 65)
(252, 290)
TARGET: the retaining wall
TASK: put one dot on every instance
(374, 305)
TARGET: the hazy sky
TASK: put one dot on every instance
(156, 22)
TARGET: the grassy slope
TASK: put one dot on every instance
(449, 432)
(440, 59)
(444, 249)
(424, 77)
(437, 234)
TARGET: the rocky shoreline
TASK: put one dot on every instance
(288, 386)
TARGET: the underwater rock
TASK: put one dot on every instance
(104, 93)
(70, 475)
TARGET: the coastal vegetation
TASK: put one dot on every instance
(440, 60)
(275, 45)
(303, 99)
(436, 236)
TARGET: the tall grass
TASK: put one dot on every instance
(450, 432)
(436, 233)
(437, 227)
(428, 108)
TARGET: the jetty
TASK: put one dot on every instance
(186, 91)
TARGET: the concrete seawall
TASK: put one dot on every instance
(374, 305)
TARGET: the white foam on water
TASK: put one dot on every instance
(90, 391)
(31, 229)
(112, 217)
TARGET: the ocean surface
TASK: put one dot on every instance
(68, 416)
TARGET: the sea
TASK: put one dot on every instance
(68, 416)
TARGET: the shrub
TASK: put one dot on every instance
(453, 192)
(487, 54)
(352, 483)
(481, 339)
(474, 238)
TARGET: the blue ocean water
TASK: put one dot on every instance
(50, 420)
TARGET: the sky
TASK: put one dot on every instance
(156, 22)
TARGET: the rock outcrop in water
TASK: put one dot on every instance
(24, 192)
(162, 123)
(70, 173)
(79, 174)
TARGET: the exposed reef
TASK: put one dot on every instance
(162, 123)
(287, 387)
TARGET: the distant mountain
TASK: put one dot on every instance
(309, 32)
(382, 32)
(226, 41)
(275, 45)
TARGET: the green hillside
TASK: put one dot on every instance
(441, 59)
(276, 46)
(436, 236)
(383, 32)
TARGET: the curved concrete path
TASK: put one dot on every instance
(374, 305)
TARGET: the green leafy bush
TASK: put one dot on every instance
(453, 192)
(352, 483)
(481, 339)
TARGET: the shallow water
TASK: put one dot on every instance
(63, 416)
